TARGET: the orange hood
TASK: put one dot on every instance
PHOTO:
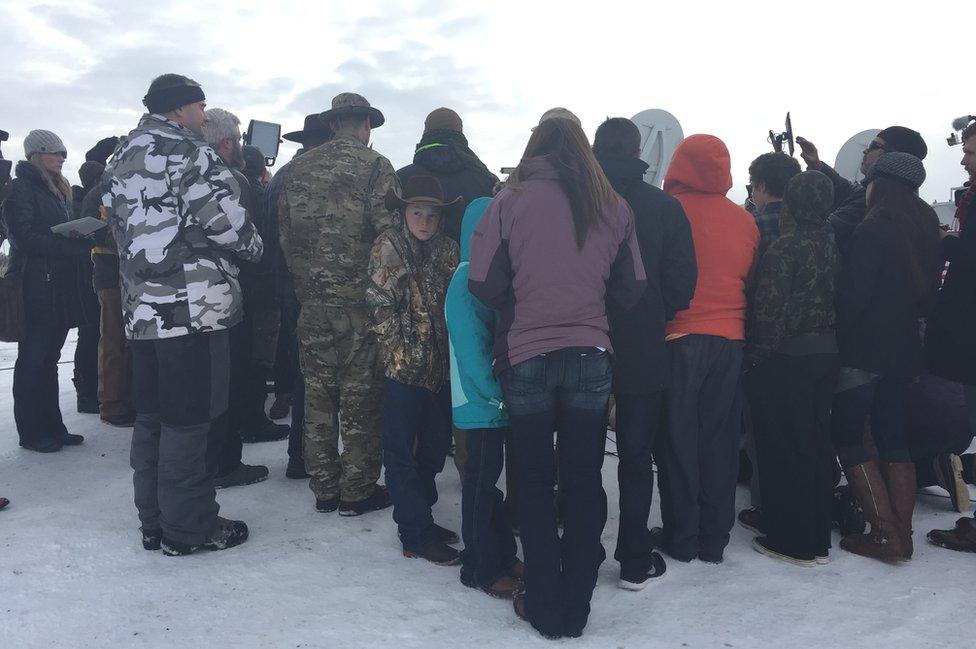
(700, 164)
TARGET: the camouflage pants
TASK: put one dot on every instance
(339, 358)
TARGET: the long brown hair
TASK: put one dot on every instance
(590, 194)
(57, 183)
(917, 228)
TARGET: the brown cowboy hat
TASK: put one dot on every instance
(349, 104)
(423, 190)
(315, 129)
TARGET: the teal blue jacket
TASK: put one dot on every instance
(475, 393)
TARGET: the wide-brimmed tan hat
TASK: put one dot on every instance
(423, 190)
(349, 104)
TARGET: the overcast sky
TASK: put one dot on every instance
(80, 68)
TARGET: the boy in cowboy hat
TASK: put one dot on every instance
(410, 267)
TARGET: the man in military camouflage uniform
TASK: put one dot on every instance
(176, 214)
(330, 211)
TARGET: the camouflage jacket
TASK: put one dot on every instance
(330, 211)
(408, 284)
(176, 215)
(794, 291)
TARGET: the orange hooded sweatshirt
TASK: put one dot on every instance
(725, 236)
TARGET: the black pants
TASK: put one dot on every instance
(791, 398)
(36, 409)
(639, 418)
(179, 386)
(86, 361)
(227, 427)
(883, 401)
(704, 410)
(565, 391)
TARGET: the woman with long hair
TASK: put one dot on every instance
(555, 245)
(51, 270)
(889, 279)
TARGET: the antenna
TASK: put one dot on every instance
(660, 136)
(848, 162)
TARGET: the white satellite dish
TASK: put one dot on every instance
(660, 136)
(848, 163)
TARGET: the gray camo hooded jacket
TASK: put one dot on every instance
(177, 217)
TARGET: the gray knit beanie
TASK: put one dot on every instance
(40, 141)
(901, 167)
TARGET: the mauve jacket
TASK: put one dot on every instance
(551, 294)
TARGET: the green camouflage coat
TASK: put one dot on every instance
(794, 290)
(409, 280)
(330, 211)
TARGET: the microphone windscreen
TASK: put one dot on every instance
(960, 123)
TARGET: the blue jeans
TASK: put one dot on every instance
(565, 392)
(883, 400)
(489, 545)
(416, 439)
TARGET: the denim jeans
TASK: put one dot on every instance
(883, 400)
(565, 392)
(416, 439)
(489, 545)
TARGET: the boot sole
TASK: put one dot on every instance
(893, 558)
(414, 555)
(241, 484)
(952, 546)
(773, 554)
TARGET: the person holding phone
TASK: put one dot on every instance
(50, 267)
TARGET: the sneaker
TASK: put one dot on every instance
(327, 505)
(948, 474)
(121, 420)
(228, 534)
(639, 580)
(437, 553)
(280, 407)
(244, 474)
(445, 535)
(68, 439)
(761, 545)
(380, 499)
(296, 471)
(751, 519)
(151, 539)
(269, 432)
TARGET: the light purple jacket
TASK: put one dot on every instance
(549, 293)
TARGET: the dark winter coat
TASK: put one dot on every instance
(877, 311)
(450, 162)
(52, 267)
(792, 309)
(850, 206)
(259, 283)
(668, 253)
(950, 333)
(105, 254)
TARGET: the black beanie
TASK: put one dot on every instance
(904, 140)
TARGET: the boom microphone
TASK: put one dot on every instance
(960, 123)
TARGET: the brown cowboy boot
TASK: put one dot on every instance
(900, 478)
(883, 542)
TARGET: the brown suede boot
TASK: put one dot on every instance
(883, 542)
(900, 478)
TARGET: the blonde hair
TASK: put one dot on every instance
(57, 183)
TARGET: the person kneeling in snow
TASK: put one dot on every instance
(410, 267)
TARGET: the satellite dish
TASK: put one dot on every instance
(848, 163)
(660, 136)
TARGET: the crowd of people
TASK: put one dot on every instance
(824, 328)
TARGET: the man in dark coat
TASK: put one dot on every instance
(640, 371)
(850, 205)
(444, 154)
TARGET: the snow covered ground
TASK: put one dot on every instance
(73, 573)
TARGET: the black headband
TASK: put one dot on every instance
(163, 100)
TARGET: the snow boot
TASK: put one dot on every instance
(228, 534)
(883, 542)
(327, 505)
(296, 471)
(961, 539)
(846, 513)
(437, 553)
(445, 536)
(379, 499)
(266, 431)
(244, 474)
(900, 478)
(151, 539)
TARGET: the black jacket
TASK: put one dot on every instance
(259, 283)
(55, 270)
(850, 207)
(668, 252)
(950, 333)
(457, 179)
(877, 311)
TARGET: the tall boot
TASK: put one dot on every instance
(883, 541)
(900, 478)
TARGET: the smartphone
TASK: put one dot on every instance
(266, 136)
